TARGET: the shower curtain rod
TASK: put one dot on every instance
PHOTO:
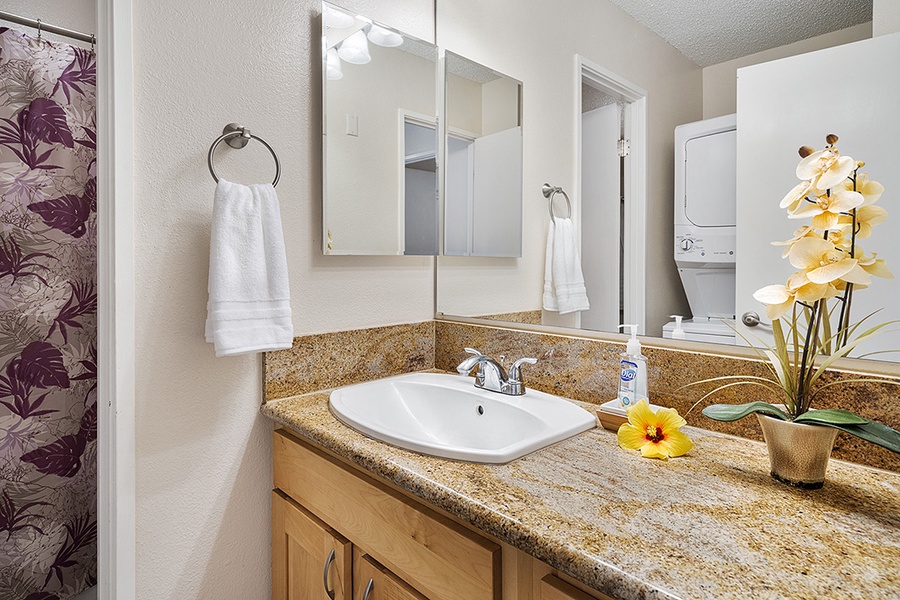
(41, 26)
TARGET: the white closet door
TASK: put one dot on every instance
(851, 91)
(600, 217)
(497, 208)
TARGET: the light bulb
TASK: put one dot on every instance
(355, 49)
(333, 65)
(384, 37)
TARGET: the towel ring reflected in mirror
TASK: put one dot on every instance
(237, 136)
(549, 192)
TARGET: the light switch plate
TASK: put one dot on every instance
(353, 125)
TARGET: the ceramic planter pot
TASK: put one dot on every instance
(798, 453)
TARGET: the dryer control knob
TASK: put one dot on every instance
(687, 244)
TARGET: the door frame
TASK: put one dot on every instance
(635, 192)
(116, 507)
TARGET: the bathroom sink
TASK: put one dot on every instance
(447, 416)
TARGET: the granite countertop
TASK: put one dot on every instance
(711, 524)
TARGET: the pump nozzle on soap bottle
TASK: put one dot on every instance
(633, 372)
(678, 332)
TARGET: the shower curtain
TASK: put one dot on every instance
(48, 319)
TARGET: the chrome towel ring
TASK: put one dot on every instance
(238, 136)
(550, 191)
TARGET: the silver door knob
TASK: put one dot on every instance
(751, 319)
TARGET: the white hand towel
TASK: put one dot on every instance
(249, 306)
(564, 289)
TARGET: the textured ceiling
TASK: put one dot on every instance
(712, 31)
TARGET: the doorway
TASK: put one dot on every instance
(612, 184)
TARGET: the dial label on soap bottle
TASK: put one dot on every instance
(627, 383)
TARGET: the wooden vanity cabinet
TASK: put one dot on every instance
(408, 550)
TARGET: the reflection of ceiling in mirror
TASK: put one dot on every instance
(709, 32)
(467, 69)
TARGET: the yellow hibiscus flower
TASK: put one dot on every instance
(656, 434)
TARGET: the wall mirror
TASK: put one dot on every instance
(679, 90)
(379, 140)
(483, 185)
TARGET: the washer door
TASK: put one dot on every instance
(710, 164)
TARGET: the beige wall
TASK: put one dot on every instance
(203, 451)
(885, 17)
(720, 81)
(538, 46)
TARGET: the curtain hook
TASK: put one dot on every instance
(93, 41)
(39, 29)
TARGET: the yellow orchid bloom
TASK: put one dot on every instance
(866, 216)
(825, 168)
(823, 262)
(656, 434)
(794, 197)
(780, 298)
(826, 211)
(875, 266)
(799, 234)
(871, 190)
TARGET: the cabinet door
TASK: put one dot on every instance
(370, 576)
(301, 546)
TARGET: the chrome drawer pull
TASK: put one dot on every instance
(369, 589)
(325, 574)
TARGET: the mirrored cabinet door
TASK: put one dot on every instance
(379, 138)
(483, 187)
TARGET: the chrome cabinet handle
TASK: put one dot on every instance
(328, 562)
(369, 588)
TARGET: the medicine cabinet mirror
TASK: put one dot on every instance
(379, 138)
(380, 147)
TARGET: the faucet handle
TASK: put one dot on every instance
(473, 351)
(516, 368)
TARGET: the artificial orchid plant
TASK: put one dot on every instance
(811, 312)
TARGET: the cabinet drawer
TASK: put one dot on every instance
(436, 556)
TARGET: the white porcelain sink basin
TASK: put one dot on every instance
(447, 416)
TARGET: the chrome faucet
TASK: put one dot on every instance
(491, 374)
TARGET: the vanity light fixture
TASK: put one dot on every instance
(333, 65)
(355, 49)
(334, 18)
(384, 37)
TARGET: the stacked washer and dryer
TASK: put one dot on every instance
(705, 226)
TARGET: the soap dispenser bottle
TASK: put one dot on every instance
(632, 372)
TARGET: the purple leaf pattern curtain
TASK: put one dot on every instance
(48, 318)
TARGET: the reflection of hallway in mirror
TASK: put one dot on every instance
(601, 214)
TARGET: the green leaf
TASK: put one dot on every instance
(733, 412)
(832, 416)
(873, 432)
